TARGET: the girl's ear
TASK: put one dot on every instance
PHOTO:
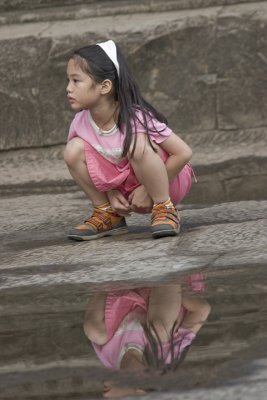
(106, 86)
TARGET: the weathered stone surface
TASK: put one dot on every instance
(46, 218)
(6, 5)
(241, 62)
(33, 4)
(230, 181)
(203, 78)
(46, 281)
(178, 85)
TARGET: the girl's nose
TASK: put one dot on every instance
(68, 88)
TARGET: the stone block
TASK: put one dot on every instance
(35, 111)
(175, 72)
(233, 180)
(7, 5)
(26, 108)
(241, 67)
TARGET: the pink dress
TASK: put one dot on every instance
(103, 156)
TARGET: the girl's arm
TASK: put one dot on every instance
(179, 154)
(94, 323)
(198, 310)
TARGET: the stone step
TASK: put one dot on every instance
(32, 11)
(15, 5)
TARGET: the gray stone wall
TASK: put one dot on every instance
(7, 5)
(204, 68)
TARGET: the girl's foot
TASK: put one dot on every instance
(165, 220)
(101, 223)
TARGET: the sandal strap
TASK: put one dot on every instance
(163, 214)
(99, 219)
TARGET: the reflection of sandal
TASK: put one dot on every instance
(101, 223)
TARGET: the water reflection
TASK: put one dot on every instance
(146, 329)
(45, 354)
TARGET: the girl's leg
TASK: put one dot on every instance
(74, 157)
(150, 169)
(104, 221)
(94, 324)
(181, 184)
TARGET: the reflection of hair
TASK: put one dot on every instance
(153, 353)
(94, 61)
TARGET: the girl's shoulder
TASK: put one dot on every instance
(146, 121)
(80, 116)
(140, 115)
(80, 126)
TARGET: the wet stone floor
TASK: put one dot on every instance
(181, 317)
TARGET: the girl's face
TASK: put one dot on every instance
(82, 91)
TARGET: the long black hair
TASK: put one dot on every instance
(153, 354)
(95, 62)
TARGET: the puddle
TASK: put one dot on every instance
(200, 331)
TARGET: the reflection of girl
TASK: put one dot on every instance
(133, 329)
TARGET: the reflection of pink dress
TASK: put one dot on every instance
(130, 335)
(124, 331)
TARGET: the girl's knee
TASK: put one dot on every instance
(95, 331)
(88, 327)
(74, 151)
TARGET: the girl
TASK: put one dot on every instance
(140, 328)
(120, 150)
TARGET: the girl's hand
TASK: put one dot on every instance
(119, 203)
(139, 198)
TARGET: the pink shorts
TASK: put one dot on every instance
(107, 176)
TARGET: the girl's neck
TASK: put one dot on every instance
(105, 115)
